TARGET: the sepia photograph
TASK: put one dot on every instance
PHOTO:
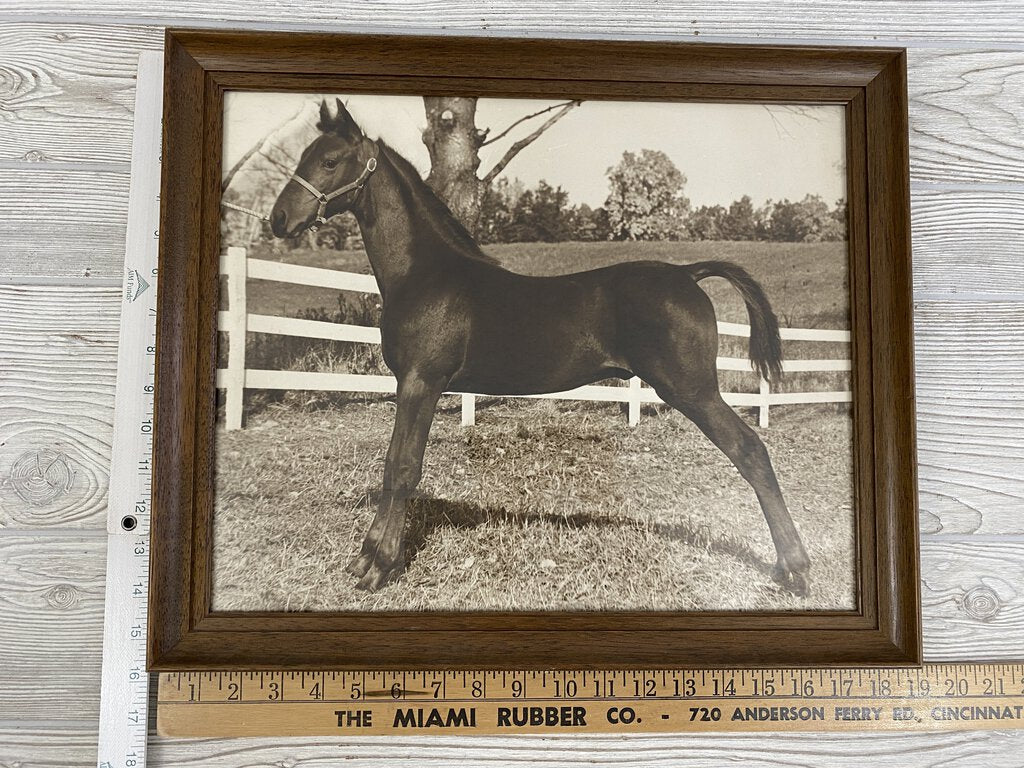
(486, 354)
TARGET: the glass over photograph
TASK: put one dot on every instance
(486, 354)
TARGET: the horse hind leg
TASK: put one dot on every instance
(724, 427)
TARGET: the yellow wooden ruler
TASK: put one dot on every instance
(935, 697)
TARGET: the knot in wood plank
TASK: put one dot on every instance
(62, 596)
(981, 603)
(41, 476)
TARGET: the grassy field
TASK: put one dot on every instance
(542, 505)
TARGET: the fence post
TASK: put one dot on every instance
(634, 401)
(237, 268)
(468, 410)
(765, 400)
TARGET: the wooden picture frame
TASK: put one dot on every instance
(869, 82)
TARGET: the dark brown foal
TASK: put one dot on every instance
(454, 320)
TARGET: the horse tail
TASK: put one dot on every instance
(765, 343)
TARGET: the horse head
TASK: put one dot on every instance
(331, 171)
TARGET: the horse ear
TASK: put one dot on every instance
(326, 121)
(344, 124)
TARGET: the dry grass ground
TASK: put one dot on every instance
(542, 505)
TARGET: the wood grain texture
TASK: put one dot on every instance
(973, 596)
(987, 20)
(967, 116)
(995, 750)
(58, 352)
(51, 745)
(968, 242)
(51, 598)
(68, 91)
(892, 432)
(62, 222)
(970, 416)
(41, 746)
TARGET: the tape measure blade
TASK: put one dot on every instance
(124, 683)
(133, 428)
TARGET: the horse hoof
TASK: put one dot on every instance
(359, 565)
(377, 577)
(796, 583)
(800, 584)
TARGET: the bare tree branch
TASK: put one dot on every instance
(226, 181)
(520, 145)
(505, 133)
(257, 147)
(797, 111)
(780, 129)
(285, 169)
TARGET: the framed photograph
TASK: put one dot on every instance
(532, 353)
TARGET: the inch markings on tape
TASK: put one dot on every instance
(317, 703)
(124, 692)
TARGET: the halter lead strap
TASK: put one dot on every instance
(325, 198)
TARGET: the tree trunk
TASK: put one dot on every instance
(453, 141)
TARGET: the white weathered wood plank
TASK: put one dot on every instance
(968, 242)
(970, 416)
(52, 746)
(68, 90)
(58, 349)
(972, 600)
(51, 598)
(879, 21)
(966, 115)
(994, 750)
(48, 745)
(62, 222)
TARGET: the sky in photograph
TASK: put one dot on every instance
(724, 150)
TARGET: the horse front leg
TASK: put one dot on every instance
(382, 556)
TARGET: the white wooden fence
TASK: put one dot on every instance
(236, 321)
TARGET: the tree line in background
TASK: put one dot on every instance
(646, 202)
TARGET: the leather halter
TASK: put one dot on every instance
(325, 198)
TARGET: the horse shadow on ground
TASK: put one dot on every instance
(428, 514)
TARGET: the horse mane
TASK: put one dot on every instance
(442, 221)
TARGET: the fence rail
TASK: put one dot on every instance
(236, 321)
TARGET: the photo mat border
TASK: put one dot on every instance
(871, 84)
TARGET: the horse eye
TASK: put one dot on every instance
(330, 164)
